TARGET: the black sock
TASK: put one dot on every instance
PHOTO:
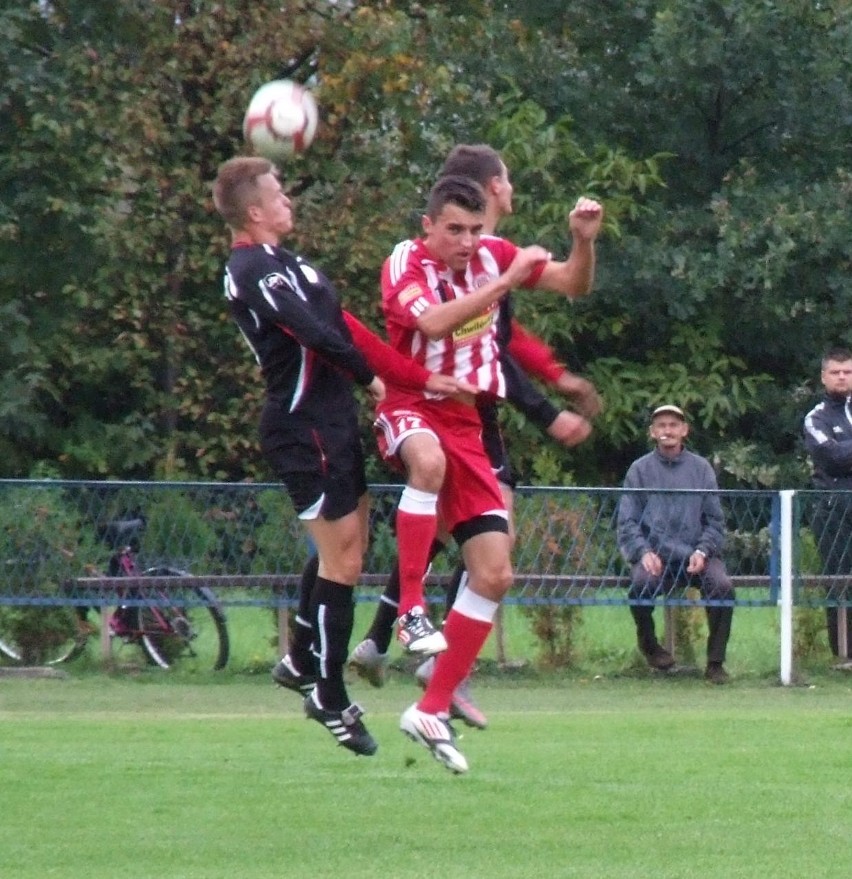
(332, 614)
(301, 633)
(381, 629)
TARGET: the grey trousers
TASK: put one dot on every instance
(713, 583)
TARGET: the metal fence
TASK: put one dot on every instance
(57, 539)
(159, 544)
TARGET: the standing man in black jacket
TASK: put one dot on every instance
(828, 439)
(675, 538)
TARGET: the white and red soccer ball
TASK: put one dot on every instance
(281, 120)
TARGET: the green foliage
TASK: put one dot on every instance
(809, 633)
(550, 168)
(717, 135)
(557, 538)
(43, 543)
(689, 624)
(278, 543)
(555, 629)
(809, 623)
(43, 540)
(178, 532)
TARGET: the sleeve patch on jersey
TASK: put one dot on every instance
(411, 292)
(419, 307)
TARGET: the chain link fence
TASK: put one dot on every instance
(57, 539)
(181, 552)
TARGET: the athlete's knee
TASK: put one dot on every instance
(426, 465)
(342, 560)
(485, 547)
(342, 569)
(491, 580)
(428, 472)
(501, 578)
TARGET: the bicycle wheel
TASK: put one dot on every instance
(40, 635)
(191, 636)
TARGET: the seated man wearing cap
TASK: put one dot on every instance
(673, 538)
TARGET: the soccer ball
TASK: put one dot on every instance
(281, 119)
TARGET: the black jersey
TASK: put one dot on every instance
(290, 315)
(520, 390)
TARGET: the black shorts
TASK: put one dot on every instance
(316, 462)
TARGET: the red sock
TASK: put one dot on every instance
(415, 533)
(465, 637)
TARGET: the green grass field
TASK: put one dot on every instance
(151, 774)
(605, 640)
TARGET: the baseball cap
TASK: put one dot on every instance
(668, 409)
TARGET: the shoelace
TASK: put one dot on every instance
(419, 624)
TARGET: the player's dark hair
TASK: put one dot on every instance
(478, 161)
(836, 355)
(460, 191)
(235, 187)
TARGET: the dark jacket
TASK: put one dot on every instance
(828, 439)
(670, 523)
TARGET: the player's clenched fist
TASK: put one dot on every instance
(585, 219)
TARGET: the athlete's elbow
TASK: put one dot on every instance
(432, 329)
(577, 289)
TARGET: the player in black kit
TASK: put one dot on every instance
(310, 353)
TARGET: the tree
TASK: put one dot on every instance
(119, 119)
(741, 260)
(717, 133)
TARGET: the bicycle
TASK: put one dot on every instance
(167, 630)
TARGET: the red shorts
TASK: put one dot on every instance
(470, 487)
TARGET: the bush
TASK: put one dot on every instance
(43, 543)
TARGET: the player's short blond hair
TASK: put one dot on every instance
(235, 188)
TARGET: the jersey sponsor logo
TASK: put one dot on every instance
(409, 293)
(276, 281)
(473, 328)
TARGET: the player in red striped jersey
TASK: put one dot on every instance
(522, 354)
(440, 298)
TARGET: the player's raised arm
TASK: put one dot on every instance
(441, 319)
(575, 276)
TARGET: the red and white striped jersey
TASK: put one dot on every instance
(413, 280)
